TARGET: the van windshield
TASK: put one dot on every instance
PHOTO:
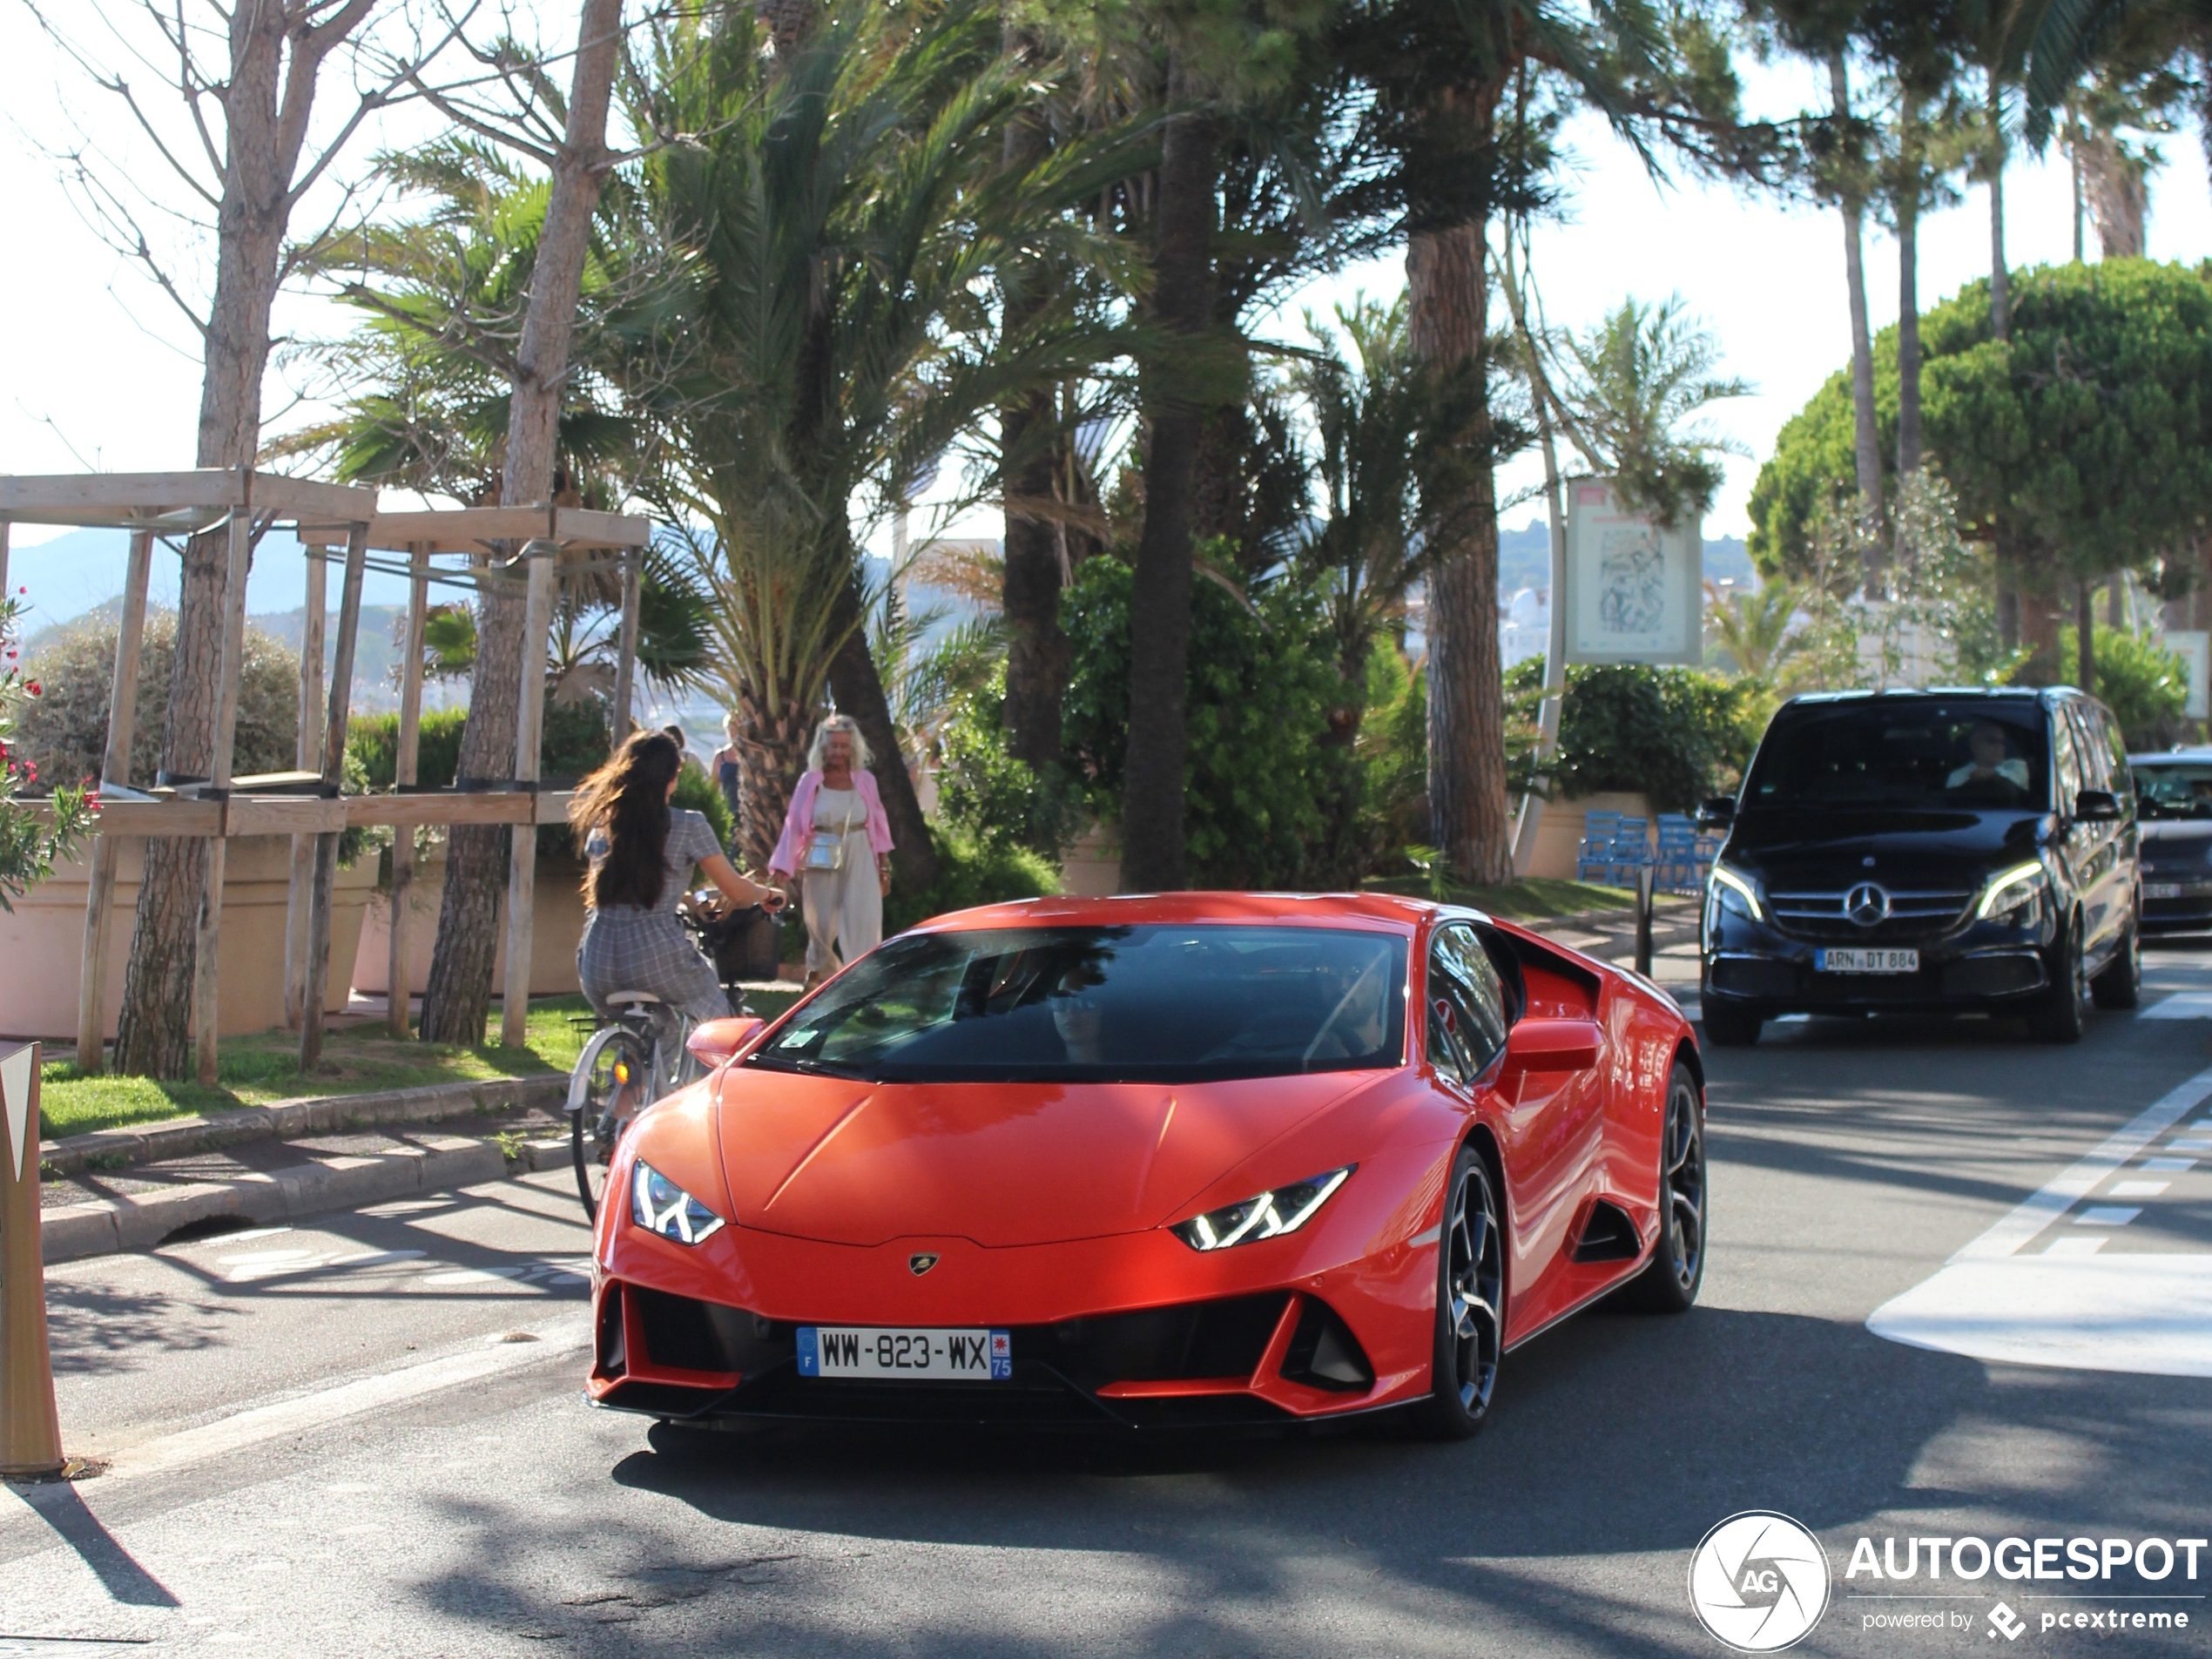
(1928, 756)
(1130, 1004)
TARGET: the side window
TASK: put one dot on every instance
(2115, 744)
(2089, 743)
(1460, 971)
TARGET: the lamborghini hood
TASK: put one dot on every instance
(999, 1164)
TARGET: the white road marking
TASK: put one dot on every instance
(2195, 1148)
(2138, 1189)
(2069, 1305)
(260, 1258)
(2173, 1166)
(2182, 1005)
(328, 1405)
(2108, 1215)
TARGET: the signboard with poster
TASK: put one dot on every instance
(1634, 592)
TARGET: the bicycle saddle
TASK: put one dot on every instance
(619, 998)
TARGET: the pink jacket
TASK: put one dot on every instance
(798, 822)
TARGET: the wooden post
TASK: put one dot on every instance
(3, 558)
(529, 725)
(115, 768)
(404, 767)
(309, 754)
(633, 562)
(205, 978)
(30, 1432)
(334, 773)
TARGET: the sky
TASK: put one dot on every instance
(98, 370)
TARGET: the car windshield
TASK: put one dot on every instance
(1930, 756)
(1135, 1004)
(2169, 789)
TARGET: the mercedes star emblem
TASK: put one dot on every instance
(1867, 904)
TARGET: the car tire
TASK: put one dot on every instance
(1729, 1028)
(2120, 983)
(1470, 1305)
(2064, 1012)
(1669, 1281)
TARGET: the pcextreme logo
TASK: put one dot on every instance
(1758, 1581)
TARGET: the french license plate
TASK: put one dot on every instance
(1867, 961)
(2161, 889)
(892, 1350)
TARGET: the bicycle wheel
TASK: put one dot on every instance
(611, 1084)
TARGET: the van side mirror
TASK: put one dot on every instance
(1717, 813)
(716, 1042)
(2096, 806)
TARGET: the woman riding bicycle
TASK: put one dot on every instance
(641, 852)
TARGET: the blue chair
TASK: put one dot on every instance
(1594, 859)
(1631, 850)
(1676, 868)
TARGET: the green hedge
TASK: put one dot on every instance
(1675, 735)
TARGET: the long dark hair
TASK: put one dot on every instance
(628, 798)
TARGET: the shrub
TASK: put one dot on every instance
(695, 790)
(375, 739)
(989, 795)
(2145, 687)
(65, 732)
(1672, 734)
(1260, 687)
(969, 872)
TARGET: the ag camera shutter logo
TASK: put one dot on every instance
(1758, 1581)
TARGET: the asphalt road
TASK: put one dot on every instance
(366, 1436)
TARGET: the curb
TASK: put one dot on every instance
(73, 1232)
(285, 1120)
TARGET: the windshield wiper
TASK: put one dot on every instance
(811, 1068)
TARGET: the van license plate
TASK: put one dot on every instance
(2161, 889)
(1867, 961)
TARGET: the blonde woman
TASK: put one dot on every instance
(837, 842)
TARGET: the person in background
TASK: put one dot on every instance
(642, 852)
(675, 734)
(724, 768)
(837, 840)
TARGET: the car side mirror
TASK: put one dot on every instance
(1717, 813)
(2096, 806)
(716, 1042)
(1553, 1045)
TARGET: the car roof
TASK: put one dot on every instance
(1373, 909)
(2197, 753)
(1948, 693)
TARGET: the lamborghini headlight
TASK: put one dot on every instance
(658, 1206)
(2011, 892)
(1272, 1214)
(1737, 892)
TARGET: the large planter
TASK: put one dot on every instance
(556, 922)
(42, 944)
(1559, 830)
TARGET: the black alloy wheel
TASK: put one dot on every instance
(2119, 984)
(2064, 1012)
(1668, 1282)
(1729, 1028)
(1470, 1305)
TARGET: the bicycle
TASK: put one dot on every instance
(627, 1064)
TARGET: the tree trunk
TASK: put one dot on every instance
(1908, 297)
(2001, 276)
(2040, 634)
(2116, 600)
(1867, 435)
(2085, 634)
(773, 753)
(2116, 189)
(1447, 298)
(1037, 652)
(457, 1000)
(858, 690)
(1159, 626)
(266, 106)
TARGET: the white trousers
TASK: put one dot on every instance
(844, 908)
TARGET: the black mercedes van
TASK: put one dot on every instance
(1927, 852)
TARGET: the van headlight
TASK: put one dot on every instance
(2010, 893)
(1735, 891)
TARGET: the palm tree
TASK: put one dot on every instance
(1632, 395)
(1755, 629)
(836, 231)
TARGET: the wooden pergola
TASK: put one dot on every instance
(543, 536)
(307, 804)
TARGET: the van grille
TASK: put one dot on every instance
(1914, 914)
